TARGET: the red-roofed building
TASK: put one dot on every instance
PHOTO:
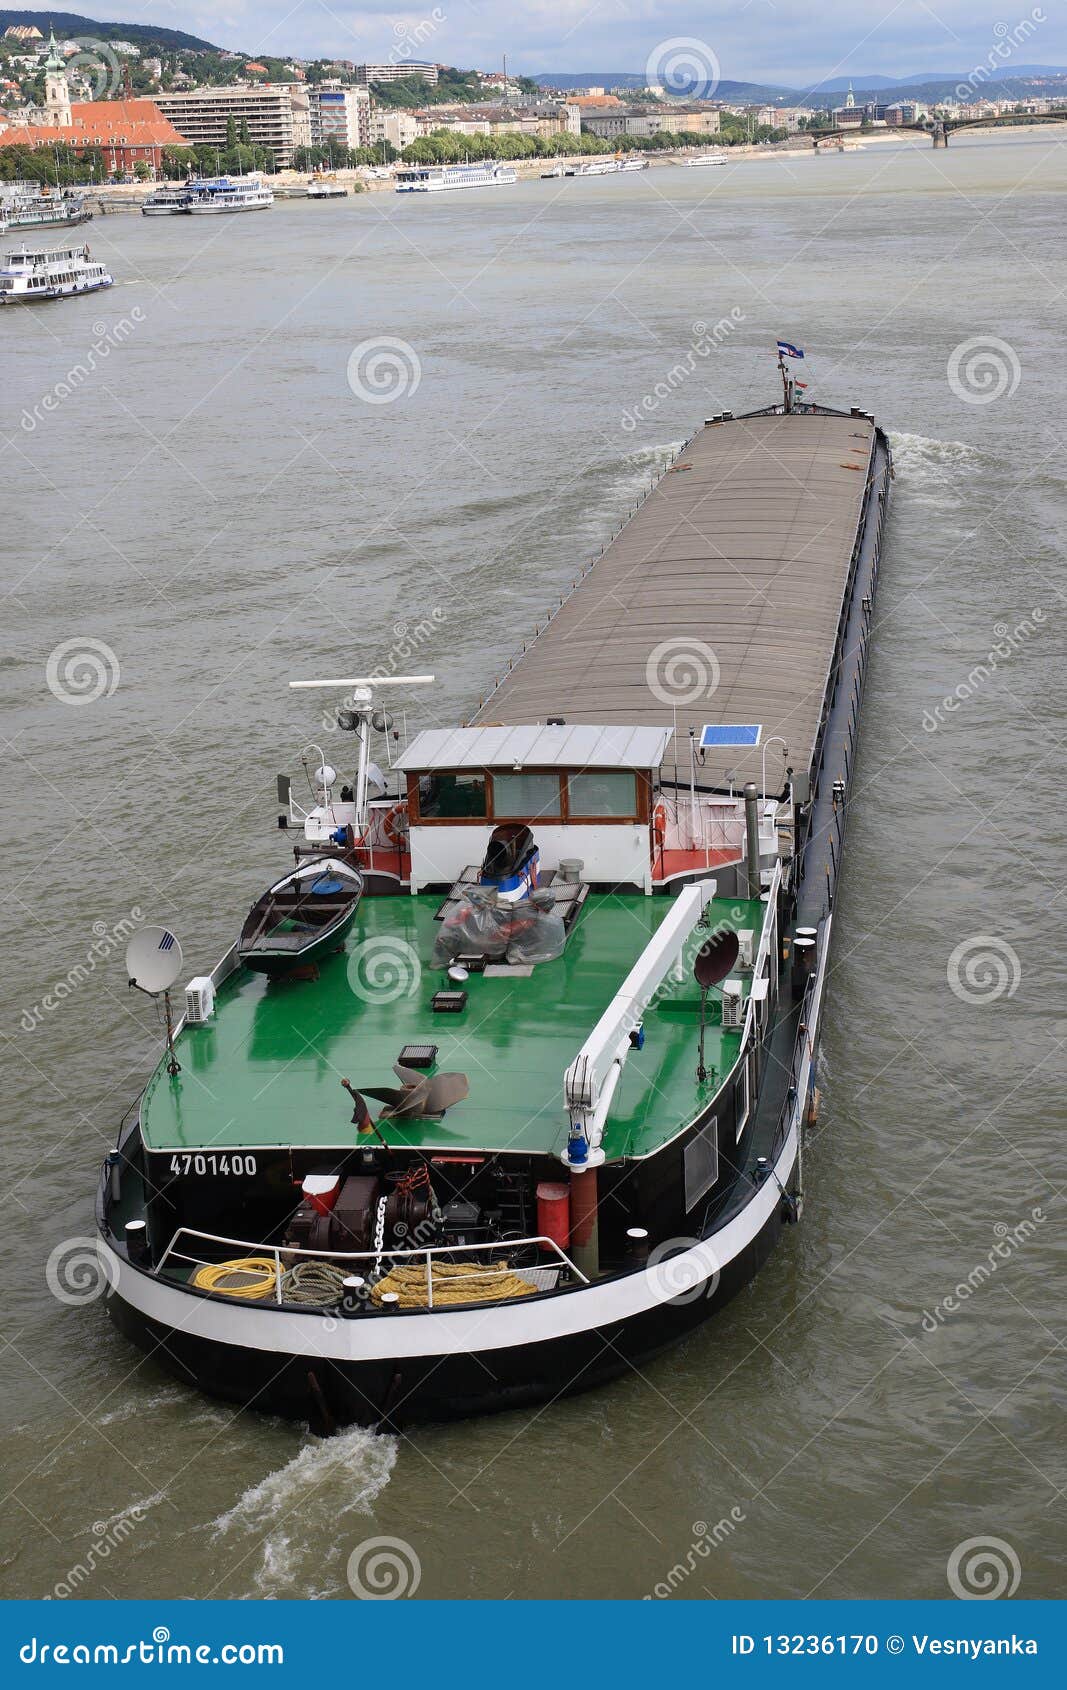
(125, 131)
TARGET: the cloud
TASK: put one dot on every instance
(790, 42)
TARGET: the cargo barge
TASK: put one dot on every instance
(539, 1111)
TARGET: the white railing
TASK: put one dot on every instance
(422, 1253)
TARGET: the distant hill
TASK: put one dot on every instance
(141, 34)
(743, 92)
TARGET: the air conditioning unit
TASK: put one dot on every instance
(744, 940)
(732, 1003)
(200, 999)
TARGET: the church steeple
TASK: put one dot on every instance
(56, 86)
(850, 99)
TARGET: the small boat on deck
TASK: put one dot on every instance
(302, 918)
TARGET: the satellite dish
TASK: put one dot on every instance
(153, 959)
(715, 959)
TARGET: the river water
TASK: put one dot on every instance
(209, 509)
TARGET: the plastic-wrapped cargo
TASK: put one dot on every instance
(538, 933)
(475, 926)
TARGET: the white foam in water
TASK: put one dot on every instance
(348, 1470)
(918, 458)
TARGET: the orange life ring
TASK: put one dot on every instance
(391, 824)
(659, 822)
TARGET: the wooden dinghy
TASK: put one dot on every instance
(301, 918)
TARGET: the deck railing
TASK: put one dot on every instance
(352, 1258)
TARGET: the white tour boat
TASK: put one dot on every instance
(596, 167)
(60, 274)
(435, 178)
(633, 164)
(229, 193)
(166, 202)
(704, 158)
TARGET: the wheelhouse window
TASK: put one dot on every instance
(444, 796)
(526, 797)
(602, 792)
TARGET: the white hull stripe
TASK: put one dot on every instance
(460, 1331)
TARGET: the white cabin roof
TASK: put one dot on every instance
(572, 746)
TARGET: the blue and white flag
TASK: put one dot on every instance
(785, 350)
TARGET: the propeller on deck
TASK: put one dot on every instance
(419, 1094)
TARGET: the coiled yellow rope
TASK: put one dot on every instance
(252, 1278)
(453, 1282)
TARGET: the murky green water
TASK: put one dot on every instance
(210, 501)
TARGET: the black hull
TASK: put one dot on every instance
(389, 1394)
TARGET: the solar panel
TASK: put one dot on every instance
(730, 733)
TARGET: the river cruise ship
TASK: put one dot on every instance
(441, 178)
(42, 210)
(60, 273)
(501, 1087)
(219, 195)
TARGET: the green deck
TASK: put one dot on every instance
(266, 1071)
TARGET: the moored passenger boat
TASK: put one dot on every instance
(442, 178)
(59, 273)
(543, 1115)
(212, 196)
(44, 209)
(167, 202)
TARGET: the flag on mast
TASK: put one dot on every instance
(787, 350)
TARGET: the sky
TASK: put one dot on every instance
(794, 43)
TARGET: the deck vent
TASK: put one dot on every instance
(448, 1003)
(200, 999)
(732, 1003)
(418, 1056)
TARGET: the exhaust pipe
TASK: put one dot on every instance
(752, 839)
